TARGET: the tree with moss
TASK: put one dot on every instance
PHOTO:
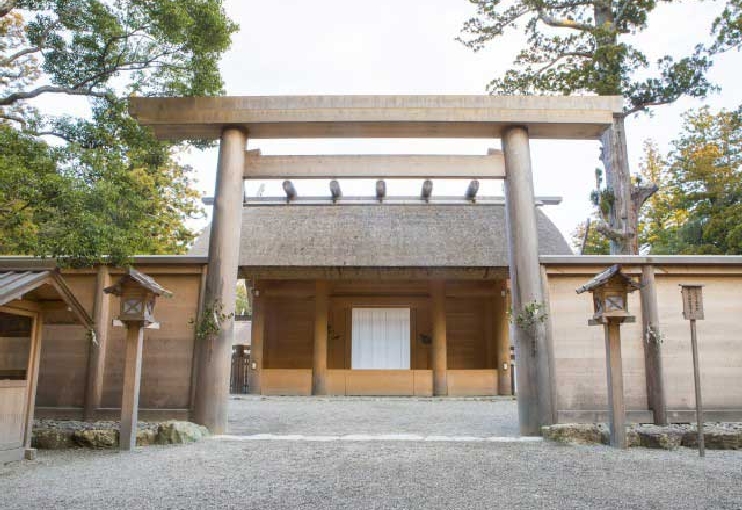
(99, 185)
(582, 47)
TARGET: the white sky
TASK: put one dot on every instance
(296, 47)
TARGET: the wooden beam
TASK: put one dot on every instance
(289, 189)
(34, 361)
(335, 191)
(480, 116)
(197, 344)
(489, 166)
(427, 189)
(614, 372)
(653, 372)
(439, 351)
(97, 350)
(471, 191)
(132, 381)
(502, 340)
(257, 339)
(380, 189)
(212, 390)
(319, 368)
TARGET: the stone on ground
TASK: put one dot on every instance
(52, 439)
(180, 432)
(573, 433)
(663, 438)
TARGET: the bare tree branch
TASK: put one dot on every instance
(49, 89)
(564, 23)
(6, 6)
(19, 54)
(13, 118)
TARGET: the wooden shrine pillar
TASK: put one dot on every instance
(502, 339)
(319, 368)
(440, 351)
(132, 381)
(533, 367)
(97, 349)
(257, 339)
(212, 389)
(614, 372)
(652, 352)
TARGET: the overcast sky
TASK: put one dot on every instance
(295, 47)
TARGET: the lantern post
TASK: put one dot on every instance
(610, 290)
(138, 294)
(692, 311)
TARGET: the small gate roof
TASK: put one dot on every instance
(40, 284)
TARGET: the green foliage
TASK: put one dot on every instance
(210, 322)
(106, 187)
(533, 313)
(243, 304)
(699, 209)
(581, 47)
(727, 28)
(595, 244)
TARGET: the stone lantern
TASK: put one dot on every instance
(138, 293)
(610, 290)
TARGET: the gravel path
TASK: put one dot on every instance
(278, 474)
(355, 415)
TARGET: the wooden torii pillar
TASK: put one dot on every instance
(212, 391)
(532, 355)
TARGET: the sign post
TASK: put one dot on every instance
(692, 311)
(610, 290)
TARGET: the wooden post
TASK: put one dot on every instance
(97, 350)
(614, 369)
(132, 379)
(502, 336)
(34, 357)
(439, 351)
(653, 372)
(197, 344)
(697, 382)
(319, 369)
(257, 339)
(212, 390)
(535, 406)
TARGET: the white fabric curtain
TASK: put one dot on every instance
(381, 339)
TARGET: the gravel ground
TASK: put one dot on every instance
(279, 474)
(356, 415)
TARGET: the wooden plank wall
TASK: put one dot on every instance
(289, 339)
(289, 333)
(65, 347)
(167, 357)
(580, 349)
(167, 354)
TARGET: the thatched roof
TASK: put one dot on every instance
(380, 236)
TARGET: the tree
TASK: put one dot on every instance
(701, 212)
(586, 239)
(659, 215)
(124, 192)
(580, 46)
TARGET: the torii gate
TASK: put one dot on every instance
(513, 119)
